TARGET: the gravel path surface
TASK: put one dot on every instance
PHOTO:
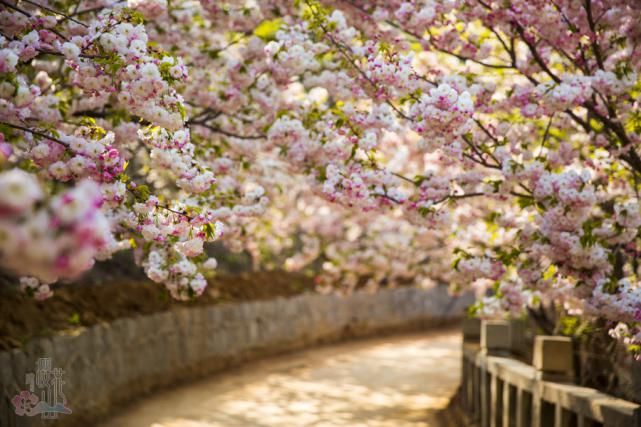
(398, 381)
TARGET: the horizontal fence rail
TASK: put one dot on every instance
(500, 391)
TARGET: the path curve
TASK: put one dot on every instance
(398, 381)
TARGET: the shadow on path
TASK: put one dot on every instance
(397, 381)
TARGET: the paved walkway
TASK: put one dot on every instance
(385, 382)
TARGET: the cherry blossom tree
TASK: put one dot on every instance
(485, 143)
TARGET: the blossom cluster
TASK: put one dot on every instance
(56, 238)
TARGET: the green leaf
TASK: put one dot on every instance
(74, 319)
(549, 273)
(267, 30)
(141, 192)
(525, 202)
(209, 230)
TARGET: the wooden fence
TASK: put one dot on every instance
(500, 391)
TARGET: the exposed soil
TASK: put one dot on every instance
(79, 305)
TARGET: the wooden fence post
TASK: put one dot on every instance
(471, 329)
(495, 341)
(553, 360)
(495, 337)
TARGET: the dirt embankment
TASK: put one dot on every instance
(80, 305)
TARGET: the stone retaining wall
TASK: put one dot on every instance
(109, 365)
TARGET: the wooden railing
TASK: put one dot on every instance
(500, 391)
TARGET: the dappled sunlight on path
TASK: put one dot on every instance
(385, 382)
